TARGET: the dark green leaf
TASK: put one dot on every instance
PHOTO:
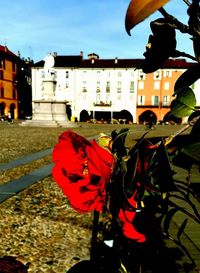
(179, 109)
(161, 45)
(186, 96)
(181, 229)
(193, 151)
(118, 146)
(190, 76)
(183, 161)
(160, 170)
(184, 103)
(167, 220)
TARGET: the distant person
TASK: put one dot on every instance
(9, 117)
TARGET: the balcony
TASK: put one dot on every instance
(153, 105)
(103, 104)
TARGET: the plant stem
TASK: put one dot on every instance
(187, 2)
(175, 22)
(94, 234)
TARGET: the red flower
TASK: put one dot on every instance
(127, 218)
(83, 170)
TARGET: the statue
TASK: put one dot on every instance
(48, 65)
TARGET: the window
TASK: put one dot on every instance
(84, 96)
(98, 87)
(42, 74)
(2, 92)
(14, 94)
(84, 73)
(119, 96)
(141, 100)
(2, 64)
(165, 100)
(119, 87)
(107, 98)
(84, 86)
(166, 86)
(156, 85)
(167, 73)
(141, 85)
(67, 74)
(132, 74)
(107, 87)
(141, 75)
(155, 100)
(98, 99)
(98, 73)
(131, 87)
(157, 75)
(119, 74)
(1, 74)
(13, 67)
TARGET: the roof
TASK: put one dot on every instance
(63, 61)
(78, 62)
(177, 63)
(4, 49)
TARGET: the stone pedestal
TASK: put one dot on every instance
(47, 111)
(49, 114)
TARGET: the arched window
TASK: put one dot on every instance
(14, 94)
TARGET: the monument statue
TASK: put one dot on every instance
(48, 88)
(49, 64)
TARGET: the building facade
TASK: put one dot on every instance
(110, 89)
(15, 85)
(8, 91)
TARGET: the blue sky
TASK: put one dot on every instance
(67, 27)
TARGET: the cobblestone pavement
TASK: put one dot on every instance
(38, 227)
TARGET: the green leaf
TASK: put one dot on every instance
(118, 146)
(186, 96)
(168, 219)
(179, 109)
(181, 229)
(184, 103)
(186, 79)
(193, 151)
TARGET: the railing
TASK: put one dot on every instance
(154, 105)
(101, 103)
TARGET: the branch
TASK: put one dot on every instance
(175, 22)
(178, 53)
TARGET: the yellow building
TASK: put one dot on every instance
(8, 91)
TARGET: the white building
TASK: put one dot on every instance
(92, 88)
(107, 89)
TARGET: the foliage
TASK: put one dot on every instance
(143, 195)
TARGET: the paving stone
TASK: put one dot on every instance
(24, 160)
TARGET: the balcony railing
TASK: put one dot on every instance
(101, 103)
(154, 105)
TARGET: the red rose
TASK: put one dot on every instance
(83, 170)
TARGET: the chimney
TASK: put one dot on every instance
(116, 60)
(81, 54)
(93, 56)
